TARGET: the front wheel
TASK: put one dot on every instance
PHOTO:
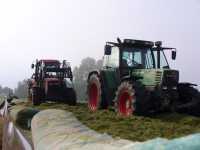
(94, 92)
(125, 99)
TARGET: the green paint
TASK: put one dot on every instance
(150, 77)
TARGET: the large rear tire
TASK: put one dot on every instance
(125, 99)
(71, 97)
(35, 96)
(94, 92)
(29, 95)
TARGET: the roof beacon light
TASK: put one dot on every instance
(127, 41)
(158, 43)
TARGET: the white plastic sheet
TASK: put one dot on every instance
(59, 130)
(12, 139)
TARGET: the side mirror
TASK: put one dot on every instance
(32, 66)
(173, 54)
(107, 50)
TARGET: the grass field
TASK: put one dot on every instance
(135, 128)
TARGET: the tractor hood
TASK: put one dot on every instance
(49, 82)
(52, 81)
(170, 78)
(157, 77)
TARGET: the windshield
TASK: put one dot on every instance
(140, 58)
(144, 58)
(56, 71)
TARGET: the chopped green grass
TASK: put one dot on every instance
(135, 128)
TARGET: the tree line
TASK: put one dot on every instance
(4, 91)
(80, 74)
(20, 91)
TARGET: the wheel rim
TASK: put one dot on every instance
(125, 107)
(93, 97)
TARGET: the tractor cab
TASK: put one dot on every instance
(137, 54)
(136, 78)
(142, 60)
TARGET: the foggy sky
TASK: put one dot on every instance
(75, 29)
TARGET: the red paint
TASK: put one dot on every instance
(125, 107)
(93, 97)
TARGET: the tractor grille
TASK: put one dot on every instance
(158, 77)
(170, 78)
(51, 83)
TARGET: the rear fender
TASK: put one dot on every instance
(125, 78)
(187, 91)
(187, 84)
(93, 72)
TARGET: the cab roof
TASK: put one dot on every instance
(133, 43)
(49, 61)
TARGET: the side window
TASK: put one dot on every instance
(113, 59)
(163, 61)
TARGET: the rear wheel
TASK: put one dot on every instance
(35, 96)
(29, 95)
(124, 100)
(94, 92)
(71, 97)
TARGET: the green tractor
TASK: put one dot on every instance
(136, 79)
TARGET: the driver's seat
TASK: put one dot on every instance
(124, 68)
(124, 63)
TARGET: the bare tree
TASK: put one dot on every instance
(5, 91)
(21, 90)
(81, 73)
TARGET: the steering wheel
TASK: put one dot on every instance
(133, 62)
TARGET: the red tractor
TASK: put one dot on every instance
(51, 81)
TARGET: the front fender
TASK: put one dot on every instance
(93, 72)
